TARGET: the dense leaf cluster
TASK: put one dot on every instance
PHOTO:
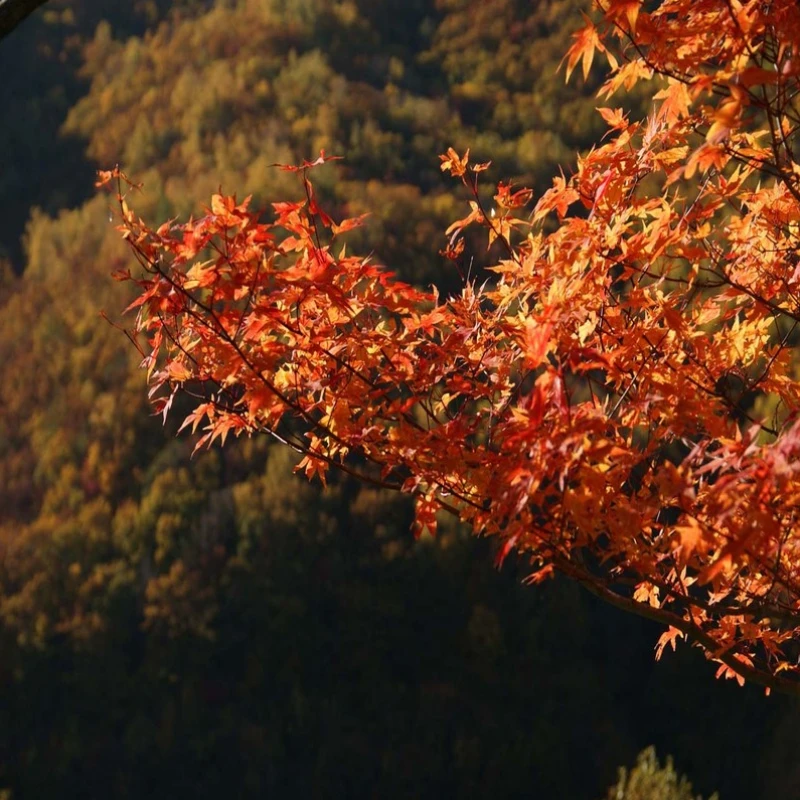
(618, 400)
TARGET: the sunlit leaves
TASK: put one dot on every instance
(597, 403)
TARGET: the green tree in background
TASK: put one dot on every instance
(648, 780)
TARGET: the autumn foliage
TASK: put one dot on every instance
(614, 397)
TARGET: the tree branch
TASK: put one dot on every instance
(12, 12)
(692, 632)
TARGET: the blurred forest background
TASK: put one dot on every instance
(192, 628)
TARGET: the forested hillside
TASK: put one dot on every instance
(190, 627)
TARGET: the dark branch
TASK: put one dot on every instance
(12, 12)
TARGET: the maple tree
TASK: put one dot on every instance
(618, 401)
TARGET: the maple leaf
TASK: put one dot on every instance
(675, 102)
(583, 49)
(669, 637)
(730, 673)
(615, 118)
(536, 341)
(425, 508)
(348, 224)
(453, 163)
(690, 535)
